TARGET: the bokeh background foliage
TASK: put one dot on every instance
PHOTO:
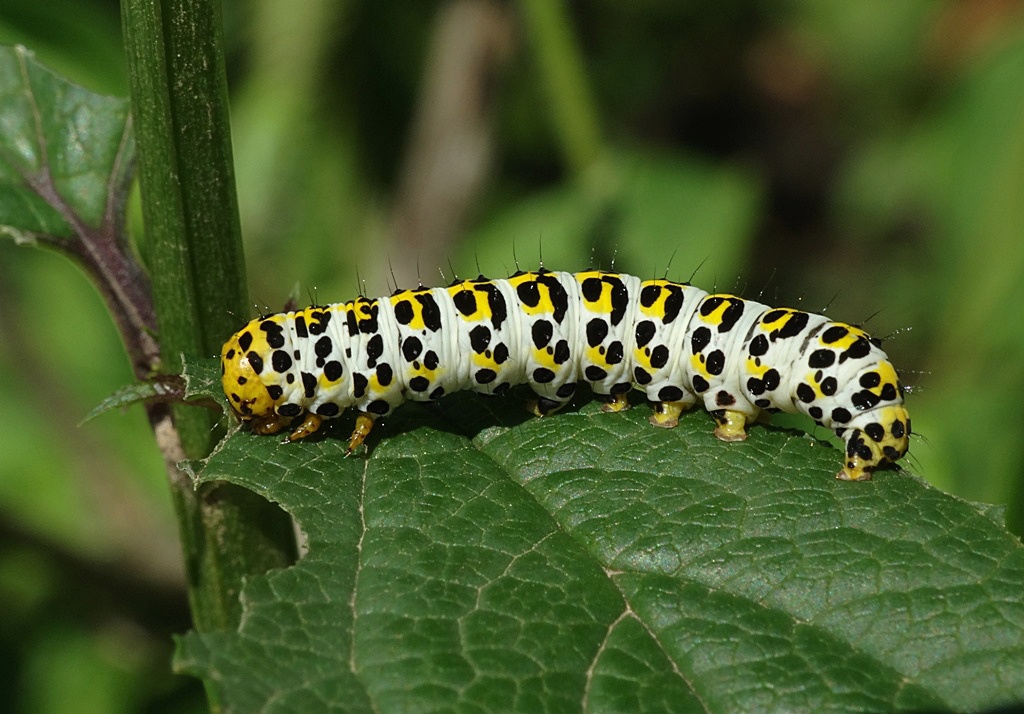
(867, 156)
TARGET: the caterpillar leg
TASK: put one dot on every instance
(732, 426)
(269, 424)
(364, 425)
(542, 406)
(616, 403)
(666, 414)
(309, 425)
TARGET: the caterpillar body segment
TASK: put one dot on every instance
(554, 330)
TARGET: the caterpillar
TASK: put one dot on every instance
(553, 330)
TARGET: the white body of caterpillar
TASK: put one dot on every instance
(554, 330)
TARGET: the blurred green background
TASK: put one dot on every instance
(867, 157)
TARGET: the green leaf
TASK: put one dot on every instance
(66, 158)
(479, 559)
(128, 395)
(202, 380)
(199, 382)
(65, 153)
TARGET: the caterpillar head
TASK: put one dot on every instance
(875, 439)
(240, 367)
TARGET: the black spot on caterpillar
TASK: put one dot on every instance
(553, 330)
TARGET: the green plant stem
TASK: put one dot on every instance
(179, 101)
(565, 82)
(576, 122)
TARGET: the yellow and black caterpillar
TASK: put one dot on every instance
(553, 330)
